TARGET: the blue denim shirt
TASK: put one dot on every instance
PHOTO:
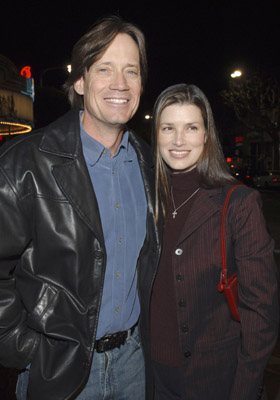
(120, 193)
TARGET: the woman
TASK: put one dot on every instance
(197, 350)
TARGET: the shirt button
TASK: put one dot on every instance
(180, 277)
(120, 240)
(117, 205)
(187, 354)
(178, 252)
(118, 274)
(104, 151)
(117, 309)
(182, 303)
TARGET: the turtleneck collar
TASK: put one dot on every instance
(185, 180)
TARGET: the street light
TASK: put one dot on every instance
(236, 74)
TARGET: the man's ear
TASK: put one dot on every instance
(79, 86)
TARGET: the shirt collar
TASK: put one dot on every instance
(93, 149)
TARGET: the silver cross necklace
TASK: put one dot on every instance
(181, 205)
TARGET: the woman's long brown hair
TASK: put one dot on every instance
(212, 168)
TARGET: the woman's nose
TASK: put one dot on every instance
(179, 139)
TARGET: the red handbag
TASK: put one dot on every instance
(228, 286)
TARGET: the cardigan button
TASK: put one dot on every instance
(180, 277)
(185, 328)
(187, 354)
(182, 303)
(178, 252)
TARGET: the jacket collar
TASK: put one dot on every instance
(206, 204)
(63, 136)
(55, 141)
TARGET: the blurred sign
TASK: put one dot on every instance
(26, 71)
(16, 105)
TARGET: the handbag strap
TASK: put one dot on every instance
(223, 278)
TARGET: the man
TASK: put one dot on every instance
(78, 235)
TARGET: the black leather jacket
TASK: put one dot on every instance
(53, 258)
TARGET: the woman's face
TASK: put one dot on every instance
(181, 136)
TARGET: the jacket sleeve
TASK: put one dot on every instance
(258, 293)
(17, 341)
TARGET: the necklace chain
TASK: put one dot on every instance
(181, 205)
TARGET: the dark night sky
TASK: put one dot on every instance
(192, 41)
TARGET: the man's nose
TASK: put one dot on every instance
(119, 81)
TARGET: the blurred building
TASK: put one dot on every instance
(16, 100)
(253, 149)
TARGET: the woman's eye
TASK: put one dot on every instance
(192, 128)
(166, 128)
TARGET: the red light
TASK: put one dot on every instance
(26, 71)
(274, 180)
(229, 159)
(238, 139)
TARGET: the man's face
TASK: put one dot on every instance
(112, 86)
